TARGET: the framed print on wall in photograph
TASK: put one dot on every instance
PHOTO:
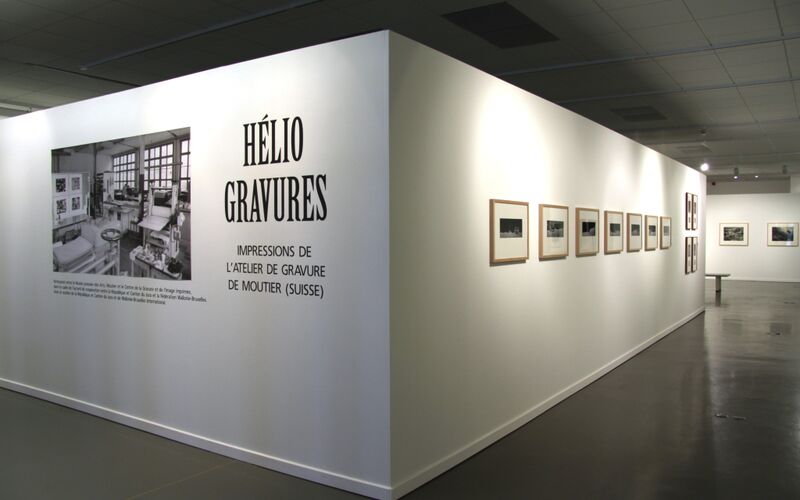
(687, 267)
(650, 232)
(587, 231)
(694, 211)
(666, 232)
(694, 254)
(782, 234)
(508, 231)
(613, 232)
(553, 231)
(634, 232)
(735, 234)
(60, 184)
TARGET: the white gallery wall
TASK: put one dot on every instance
(419, 353)
(756, 261)
(478, 350)
(299, 384)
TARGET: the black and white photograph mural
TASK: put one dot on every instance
(123, 207)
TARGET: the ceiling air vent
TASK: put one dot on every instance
(639, 114)
(501, 25)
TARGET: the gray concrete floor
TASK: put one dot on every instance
(711, 411)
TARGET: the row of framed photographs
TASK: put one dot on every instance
(779, 234)
(509, 239)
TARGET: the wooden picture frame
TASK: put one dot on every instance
(665, 232)
(553, 231)
(613, 239)
(687, 266)
(650, 232)
(694, 212)
(688, 212)
(734, 234)
(695, 253)
(782, 234)
(634, 232)
(508, 231)
(587, 232)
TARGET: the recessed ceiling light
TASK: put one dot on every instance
(756, 176)
(704, 167)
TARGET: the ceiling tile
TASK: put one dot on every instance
(124, 15)
(701, 78)
(555, 53)
(772, 94)
(651, 14)
(670, 37)
(97, 33)
(73, 93)
(761, 72)
(26, 14)
(710, 101)
(769, 113)
(784, 143)
(752, 54)
(738, 27)
(690, 62)
(571, 8)
(44, 100)
(756, 62)
(596, 23)
(597, 81)
(67, 6)
(9, 31)
(23, 54)
(790, 17)
(702, 9)
(56, 44)
(722, 116)
(619, 4)
(607, 46)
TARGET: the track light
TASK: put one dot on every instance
(736, 173)
(704, 167)
(785, 170)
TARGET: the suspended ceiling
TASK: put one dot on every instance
(699, 80)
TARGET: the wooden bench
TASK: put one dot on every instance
(717, 280)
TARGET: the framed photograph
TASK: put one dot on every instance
(694, 253)
(666, 232)
(613, 232)
(688, 211)
(782, 234)
(75, 184)
(735, 234)
(508, 231)
(587, 231)
(688, 259)
(694, 211)
(75, 204)
(651, 232)
(60, 184)
(60, 206)
(634, 232)
(553, 231)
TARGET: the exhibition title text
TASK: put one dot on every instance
(275, 142)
